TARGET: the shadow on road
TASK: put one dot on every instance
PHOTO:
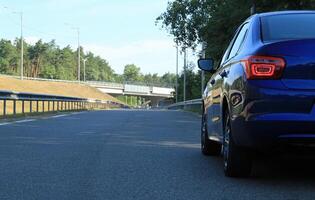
(285, 167)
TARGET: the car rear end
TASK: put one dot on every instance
(280, 84)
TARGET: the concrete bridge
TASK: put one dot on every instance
(151, 94)
(146, 93)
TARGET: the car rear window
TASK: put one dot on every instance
(288, 27)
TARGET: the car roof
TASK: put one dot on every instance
(286, 13)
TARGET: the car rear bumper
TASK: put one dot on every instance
(265, 131)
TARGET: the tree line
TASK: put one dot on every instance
(48, 60)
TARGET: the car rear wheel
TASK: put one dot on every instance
(208, 147)
(237, 161)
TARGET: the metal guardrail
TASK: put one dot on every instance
(108, 84)
(191, 105)
(53, 103)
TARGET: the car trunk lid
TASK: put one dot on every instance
(299, 56)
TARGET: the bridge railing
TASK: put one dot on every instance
(13, 103)
(194, 105)
(108, 84)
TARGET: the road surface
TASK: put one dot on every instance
(131, 155)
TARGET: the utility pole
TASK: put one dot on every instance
(176, 73)
(79, 59)
(84, 61)
(79, 53)
(22, 41)
(204, 46)
(22, 47)
(185, 65)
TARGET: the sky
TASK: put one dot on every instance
(120, 31)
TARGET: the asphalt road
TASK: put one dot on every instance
(132, 155)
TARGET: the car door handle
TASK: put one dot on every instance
(212, 82)
(223, 74)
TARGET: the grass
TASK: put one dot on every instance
(45, 87)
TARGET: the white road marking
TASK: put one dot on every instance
(3, 124)
(32, 120)
(56, 116)
(17, 122)
(23, 121)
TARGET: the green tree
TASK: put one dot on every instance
(9, 58)
(193, 84)
(132, 73)
(168, 79)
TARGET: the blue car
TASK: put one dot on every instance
(261, 95)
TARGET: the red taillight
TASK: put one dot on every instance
(263, 67)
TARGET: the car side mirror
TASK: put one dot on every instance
(206, 64)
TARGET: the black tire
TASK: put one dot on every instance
(237, 160)
(208, 147)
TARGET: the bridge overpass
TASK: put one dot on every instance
(153, 94)
(147, 93)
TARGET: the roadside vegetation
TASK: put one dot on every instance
(52, 88)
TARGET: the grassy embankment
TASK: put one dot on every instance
(44, 87)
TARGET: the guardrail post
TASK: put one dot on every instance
(37, 106)
(4, 107)
(14, 107)
(48, 106)
(31, 105)
(43, 103)
(57, 105)
(23, 111)
(53, 106)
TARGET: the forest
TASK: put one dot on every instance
(48, 60)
